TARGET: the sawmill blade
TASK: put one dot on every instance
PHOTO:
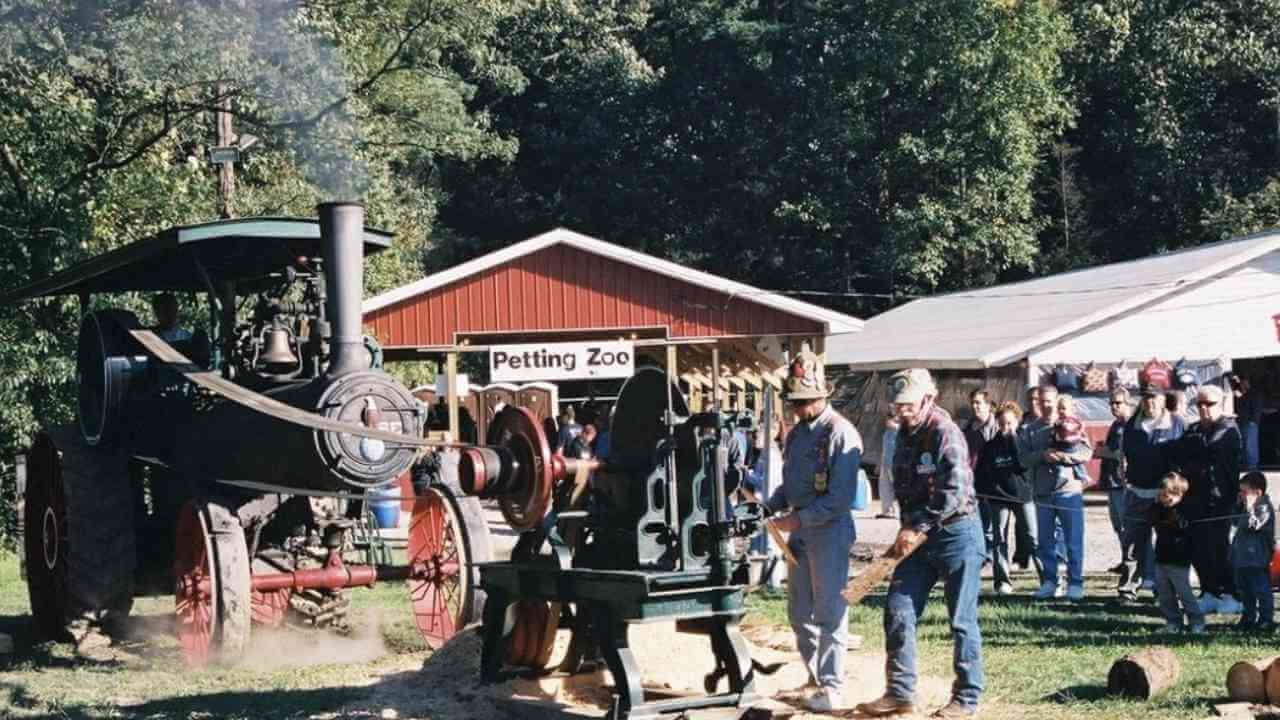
(215, 383)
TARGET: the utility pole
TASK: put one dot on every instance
(226, 164)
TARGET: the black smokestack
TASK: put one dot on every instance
(342, 245)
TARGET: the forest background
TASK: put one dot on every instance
(876, 150)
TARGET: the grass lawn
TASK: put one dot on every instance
(1042, 660)
(1050, 660)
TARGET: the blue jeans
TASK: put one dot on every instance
(1068, 510)
(1249, 441)
(1115, 511)
(818, 613)
(1253, 585)
(953, 553)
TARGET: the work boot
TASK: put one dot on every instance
(955, 709)
(886, 705)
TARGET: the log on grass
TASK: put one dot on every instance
(1271, 677)
(1247, 681)
(1143, 674)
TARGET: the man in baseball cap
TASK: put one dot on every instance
(819, 478)
(933, 482)
(1208, 455)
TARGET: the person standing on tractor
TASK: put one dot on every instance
(819, 478)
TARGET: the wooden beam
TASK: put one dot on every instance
(451, 385)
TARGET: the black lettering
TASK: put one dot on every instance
(570, 361)
(624, 357)
(500, 357)
(593, 356)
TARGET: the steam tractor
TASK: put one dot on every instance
(209, 467)
(216, 467)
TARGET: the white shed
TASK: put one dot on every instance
(1217, 306)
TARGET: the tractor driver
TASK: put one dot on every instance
(819, 477)
(165, 307)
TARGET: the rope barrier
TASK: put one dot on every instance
(1015, 501)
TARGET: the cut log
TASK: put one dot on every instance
(1272, 679)
(1247, 681)
(1143, 674)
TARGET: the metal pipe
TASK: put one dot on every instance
(342, 245)
(332, 577)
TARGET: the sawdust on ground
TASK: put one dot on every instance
(447, 686)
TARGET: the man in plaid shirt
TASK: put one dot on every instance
(934, 486)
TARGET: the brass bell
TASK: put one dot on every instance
(277, 355)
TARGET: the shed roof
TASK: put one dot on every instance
(562, 280)
(991, 327)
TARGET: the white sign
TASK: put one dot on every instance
(562, 361)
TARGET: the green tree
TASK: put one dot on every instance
(1179, 118)
(105, 115)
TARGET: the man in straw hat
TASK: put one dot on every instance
(819, 477)
(934, 486)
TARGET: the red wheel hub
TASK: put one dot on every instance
(193, 592)
(438, 581)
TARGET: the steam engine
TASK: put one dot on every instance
(303, 346)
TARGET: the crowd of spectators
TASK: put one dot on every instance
(1178, 505)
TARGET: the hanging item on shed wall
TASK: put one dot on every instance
(1066, 378)
(1123, 376)
(1157, 373)
(1095, 379)
(1184, 376)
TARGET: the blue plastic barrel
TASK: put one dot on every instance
(385, 504)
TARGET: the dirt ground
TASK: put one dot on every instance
(672, 662)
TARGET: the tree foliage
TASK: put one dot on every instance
(871, 148)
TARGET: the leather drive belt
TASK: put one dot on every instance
(212, 381)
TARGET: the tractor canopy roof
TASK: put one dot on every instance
(250, 252)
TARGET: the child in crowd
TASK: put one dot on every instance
(1173, 556)
(1068, 438)
(1251, 550)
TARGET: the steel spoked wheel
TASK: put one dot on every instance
(443, 545)
(44, 541)
(211, 575)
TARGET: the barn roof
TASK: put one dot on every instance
(630, 288)
(994, 326)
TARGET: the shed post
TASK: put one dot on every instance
(451, 390)
(715, 378)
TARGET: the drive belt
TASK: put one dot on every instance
(287, 490)
(214, 382)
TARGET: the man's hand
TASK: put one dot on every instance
(1052, 456)
(786, 523)
(907, 537)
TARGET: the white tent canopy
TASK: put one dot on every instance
(1218, 300)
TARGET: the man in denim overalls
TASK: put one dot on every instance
(819, 477)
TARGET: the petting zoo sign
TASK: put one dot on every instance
(561, 361)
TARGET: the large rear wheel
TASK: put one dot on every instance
(45, 519)
(447, 537)
(80, 540)
(212, 597)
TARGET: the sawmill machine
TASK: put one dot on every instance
(646, 535)
(220, 467)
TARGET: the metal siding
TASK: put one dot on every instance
(563, 288)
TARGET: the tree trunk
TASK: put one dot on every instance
(1247, 681)
(1144, 674)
